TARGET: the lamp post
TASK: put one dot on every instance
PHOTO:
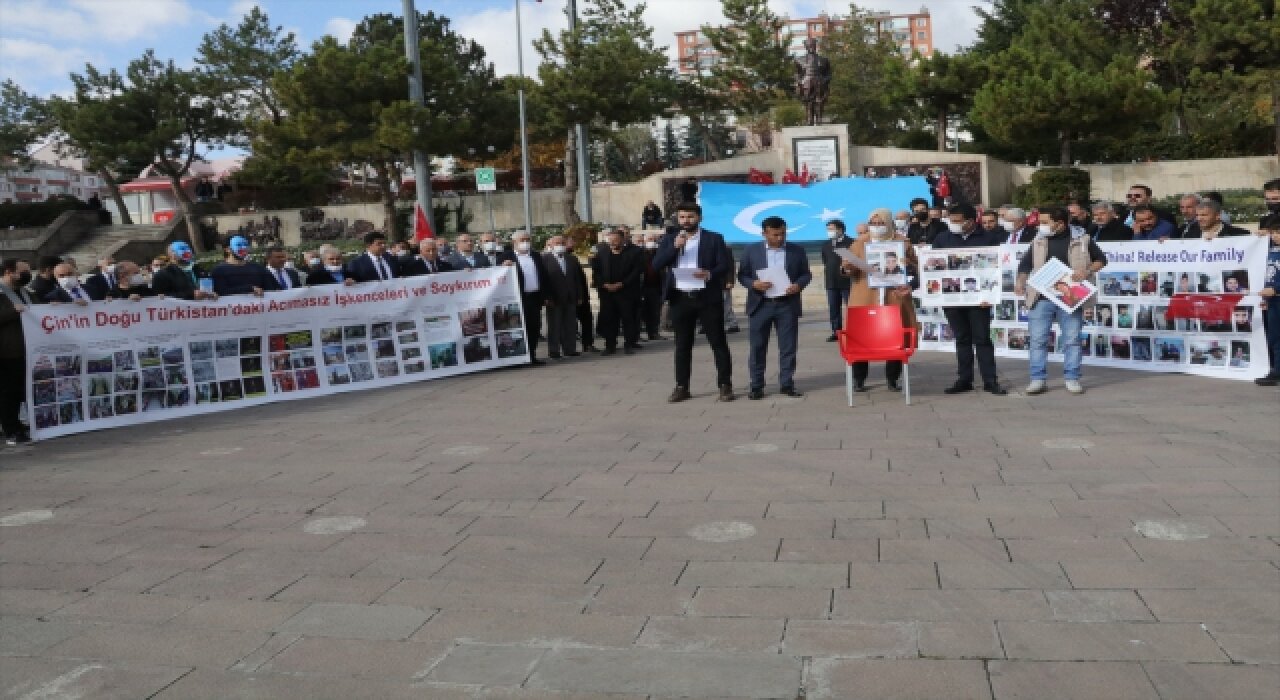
(584, 169)
(524, 129)
(421, 164)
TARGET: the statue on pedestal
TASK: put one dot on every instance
(813, 81)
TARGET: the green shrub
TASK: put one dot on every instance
(37, 214)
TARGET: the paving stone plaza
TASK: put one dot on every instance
(563, 532)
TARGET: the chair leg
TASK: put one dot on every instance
(848, 382)
(906, 382)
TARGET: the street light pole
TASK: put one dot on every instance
(524, 129)
(584, 166)
(421, 164)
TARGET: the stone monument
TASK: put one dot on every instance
(813, 81)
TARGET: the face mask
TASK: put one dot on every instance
(954, 227)
(137, 280)
(522, 247)
(879, 230)
(1045, 230)
(68, 282)
(183, 254)
(24, 279)
(651, 245)
(239, 247)
(489, 246)
(157, 268)
(1273, 207)
(900, 224)
(558, 249)
(288, 264)
(833, 234)
(333, 268)
(403, 253)
(1007, 225)
(317, 262)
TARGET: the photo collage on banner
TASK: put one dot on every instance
(156, 359)
(1128, 326)
(960, 276)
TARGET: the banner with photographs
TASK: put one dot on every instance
(121, 363)
(960, 277)
(1129, 326)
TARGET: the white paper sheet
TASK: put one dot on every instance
(777, 276)
(685, 281)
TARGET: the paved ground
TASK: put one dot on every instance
(562, 532)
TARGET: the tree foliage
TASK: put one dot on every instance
(241, 65)
(868, 77)
(23, 121)
(755, 68)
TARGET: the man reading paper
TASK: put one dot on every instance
(775, 273)
(1085, 258)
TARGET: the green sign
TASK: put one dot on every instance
(486, 180)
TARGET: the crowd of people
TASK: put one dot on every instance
(679, 279)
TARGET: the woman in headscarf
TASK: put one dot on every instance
(861, 292)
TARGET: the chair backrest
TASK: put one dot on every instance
(875, 327)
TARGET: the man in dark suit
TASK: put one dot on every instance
(280, 277)
(1187, 206)
(428, 261)
(1107, 226)
(768, 310)
(466, 257)
(562, 297)
(697, 297)
(130, 284)
(532, 276)
(15, 275)
(330, 271)
(1209, 216)
(586, 319)
(651, 289)
(375, 265)
(833, 277)
(181, 277)
(617, 271)
(68, 290)
(100, 283)
(43, 282)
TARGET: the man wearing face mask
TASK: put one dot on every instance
(1015, 228)
(428, 261)
(902, 222)
(651, 289)
(236, 274)
(585, 317)
(101, 281)
(181, 277)
(970, 324)
(68, 290)
(834, 277)
(923, 227)
(562, 268)
(331, 270)
(616, 270)
(1106, 225)
(532, 275)
(697, 297)
(466, 256)
(43, 282)
(1085, 258)
(130, 283)
(15, 275)
(489, 250)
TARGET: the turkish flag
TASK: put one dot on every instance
(421, 226)
(1203, 307)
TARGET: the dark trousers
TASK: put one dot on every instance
(836, 299)
(562, 329)
(650, 310)
(618, 309)
(972, 328)
(769, 315)
(586, 327)
(532, 321)
(892, 371)
(13, 391)
(686, 311)
(1271, 324)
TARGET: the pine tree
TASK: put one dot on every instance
(755, 68)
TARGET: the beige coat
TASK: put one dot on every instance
(862, 294)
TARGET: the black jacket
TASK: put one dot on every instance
(979, 237)
(418, 268)
(40, 288)
(271, 284)
(1115, 230)
(625, 266)
(98, 286)
(361, 269)
(562, 288)
(539, 295)
(831, 276)
(12, 343)
(173, 281)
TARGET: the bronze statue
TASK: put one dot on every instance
(813, 81)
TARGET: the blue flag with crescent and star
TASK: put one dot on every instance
(735, 211)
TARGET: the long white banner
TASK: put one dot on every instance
(121, 363)
(1128, 328)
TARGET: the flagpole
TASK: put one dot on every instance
(524, 129)
(421, 163)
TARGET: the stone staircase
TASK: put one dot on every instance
(107, 240)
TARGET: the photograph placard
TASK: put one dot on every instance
(960, 276)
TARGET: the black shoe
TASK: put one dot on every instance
(573, 354)
(628, 350)
(679, 394)
(536, 362)
(591, 348)
(791, 391)
(958, 388)
(726, 393)
(831, 338)
(554, 355)
(733, 329)
(15, 440)
(894, 386)
(755, 394)
(633, 346)
(1267, 381)
(609, 351)
(859, 386)
(994, 388)
(657, 336)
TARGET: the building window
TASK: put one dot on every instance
(921, 36)
(922, 22)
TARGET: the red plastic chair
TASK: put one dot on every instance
(876, 334)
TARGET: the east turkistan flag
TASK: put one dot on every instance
(736, 210)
